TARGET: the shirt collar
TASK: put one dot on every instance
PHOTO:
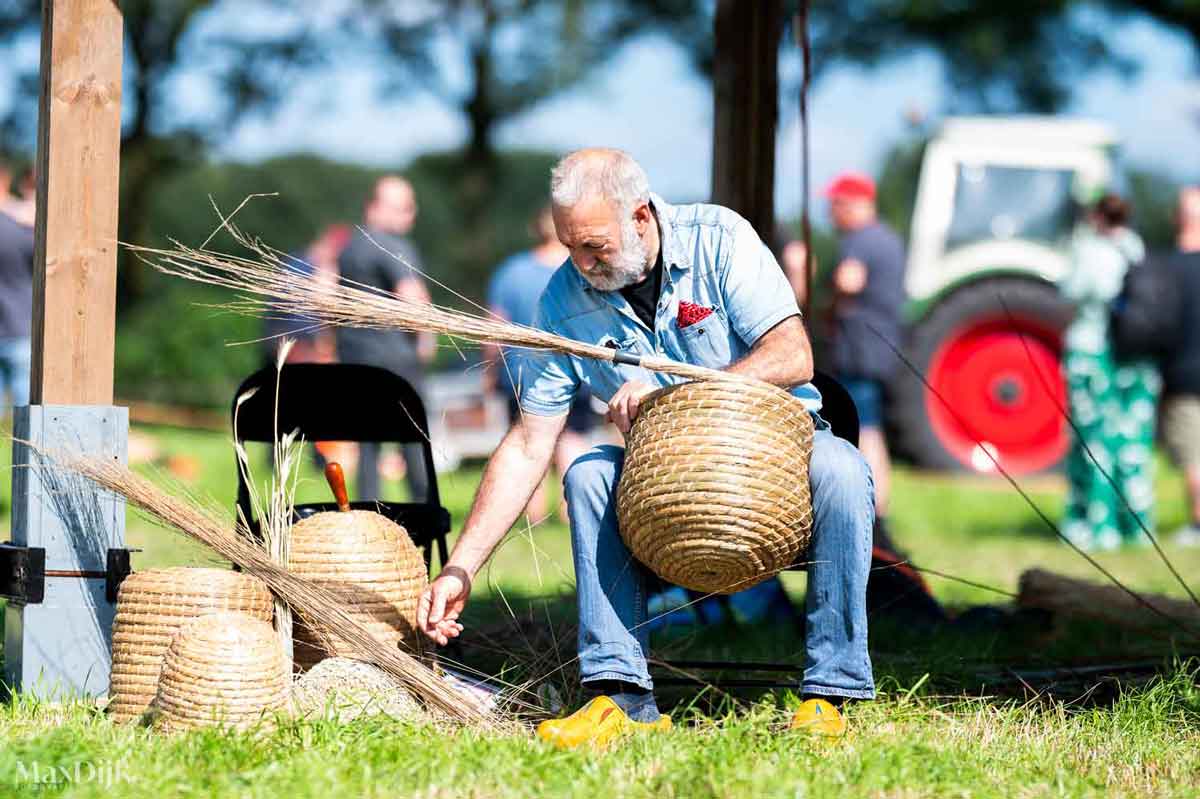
(673, 254)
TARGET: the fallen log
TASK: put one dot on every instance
(1069, 596)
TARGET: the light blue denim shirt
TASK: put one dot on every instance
(711, 257)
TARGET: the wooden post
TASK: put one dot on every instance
(58, 640)
(746, 108)
(78, 157)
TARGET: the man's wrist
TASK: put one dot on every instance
(463, 566)
(459, 573)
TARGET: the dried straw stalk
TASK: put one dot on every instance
(275, 513)
(321, 606)
(269, 280)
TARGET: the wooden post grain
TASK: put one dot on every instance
(78, 157)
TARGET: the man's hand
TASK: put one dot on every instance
(441, 603)
(850, 277)
(624, 405)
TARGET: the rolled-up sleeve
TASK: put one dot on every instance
(547, 381)
(757, 294)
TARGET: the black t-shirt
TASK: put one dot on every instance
(857, 350)
(1181, 367)
(363, 263)
(643, 296)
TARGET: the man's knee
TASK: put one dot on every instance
(838, 469)
(594, 472)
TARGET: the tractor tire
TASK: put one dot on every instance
(999, 376)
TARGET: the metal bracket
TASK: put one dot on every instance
(117, 568)
(23, 573)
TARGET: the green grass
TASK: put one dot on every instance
(941, 727)
(1145, 745)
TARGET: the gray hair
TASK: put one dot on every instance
(605, 173)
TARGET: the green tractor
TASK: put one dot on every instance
(995, 208)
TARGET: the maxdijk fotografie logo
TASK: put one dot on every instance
(106, 773)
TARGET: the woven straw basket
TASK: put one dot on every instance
(714, 494)
(372, 563)
(225, 669)
(151, 606)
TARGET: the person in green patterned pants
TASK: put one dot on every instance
(1113, 404)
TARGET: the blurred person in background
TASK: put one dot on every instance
(1181, 367)
(867, 286)
(792, 253)
(16, 288)
(893, 589)
(313, 344)
(22, 205)
(513, 294)
(1112, 402)
(369, 259)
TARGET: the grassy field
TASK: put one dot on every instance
(951, 720)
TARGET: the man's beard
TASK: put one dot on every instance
(627, 268)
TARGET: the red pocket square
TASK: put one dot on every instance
(690, 314)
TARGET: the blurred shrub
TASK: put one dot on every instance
(1153, 197)
(172, 349)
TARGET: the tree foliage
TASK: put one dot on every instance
(502, 57)
(997, 55)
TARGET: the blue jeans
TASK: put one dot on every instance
(613, 635)
(16, 358)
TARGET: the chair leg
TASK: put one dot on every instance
(443, 556)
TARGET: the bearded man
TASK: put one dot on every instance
(634, 261)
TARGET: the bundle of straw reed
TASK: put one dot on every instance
(268, 280)
(321, 607)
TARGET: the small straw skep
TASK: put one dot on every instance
(222, 669)
(320, 606)
(269, 281)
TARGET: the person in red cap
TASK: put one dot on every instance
(868, 295)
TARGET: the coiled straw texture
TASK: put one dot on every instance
(372, 563)
(223, 669)
(714, 493)
(151, 607)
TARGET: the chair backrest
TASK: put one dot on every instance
(334, 402)
(837, 407)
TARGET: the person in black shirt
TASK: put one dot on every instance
(868, 291)
(389, 217)
(16, 292)
(1181, 367)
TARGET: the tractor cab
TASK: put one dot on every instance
(996, 204)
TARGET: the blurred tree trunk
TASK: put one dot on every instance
(746, 109)
(480, 107)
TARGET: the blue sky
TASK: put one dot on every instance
(650, 102)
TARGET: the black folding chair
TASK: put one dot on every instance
(346, 402)
(837, 407)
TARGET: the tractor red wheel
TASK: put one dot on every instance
(995, 382)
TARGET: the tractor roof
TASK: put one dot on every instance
(1029, 130)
